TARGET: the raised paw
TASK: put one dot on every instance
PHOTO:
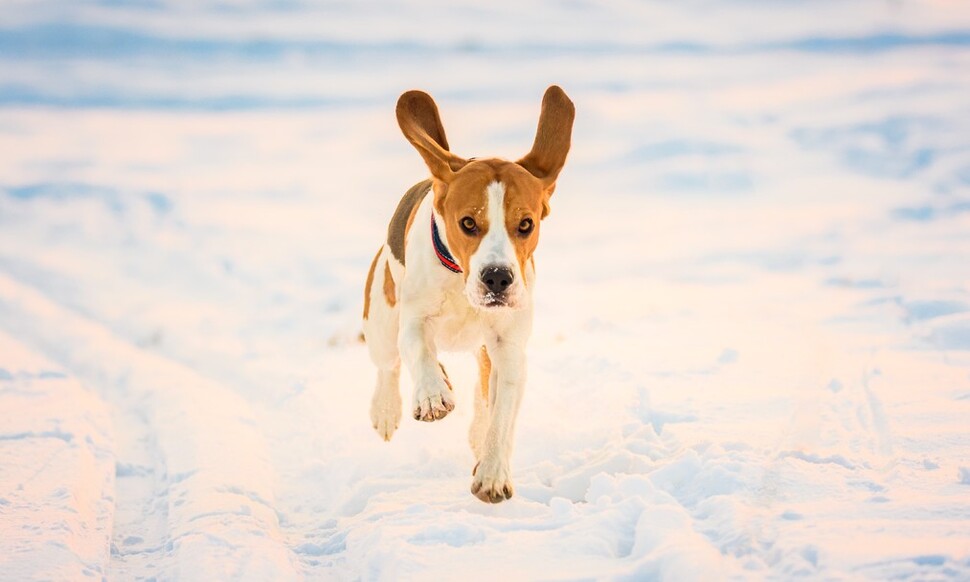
(433, 402)
(492, 483)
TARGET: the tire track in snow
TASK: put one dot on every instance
(212, 480)
(57, 462)
(141, 516)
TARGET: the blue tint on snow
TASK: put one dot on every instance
(58, 191)
(711, 182)
(685, 47)
(115, 99)
(963, 175)
(62, 191)
(55, 43)
(955, 336)
(928, 213)
(872, 43)
(776, 261)
(72, 39)
(855, 283)
(48, 375)
(881, 148)
(55, 433)
(923, 310)
(159, 202)
(930, 560)
(728, 356)
(679, 148)
(917, 214)
(879, 163)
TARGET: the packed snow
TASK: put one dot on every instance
(751, 355)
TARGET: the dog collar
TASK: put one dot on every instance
(441, 250)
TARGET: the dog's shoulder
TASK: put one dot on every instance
(403, 217)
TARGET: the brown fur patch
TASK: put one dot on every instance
(389, 291)
(407, 228)
(553, 136)
(484, 371)
(370, 282)
(417, 115)
(445, 372)
(403, 216)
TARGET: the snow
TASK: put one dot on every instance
(750, 357)
(56, 450)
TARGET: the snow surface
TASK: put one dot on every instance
(751, 356)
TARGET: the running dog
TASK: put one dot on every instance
(456, 273)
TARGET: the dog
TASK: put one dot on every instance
(456, 273)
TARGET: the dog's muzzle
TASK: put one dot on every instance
(496, 281)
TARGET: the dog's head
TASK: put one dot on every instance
(491, 208)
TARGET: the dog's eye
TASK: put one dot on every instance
(526, 226)
(468, 225)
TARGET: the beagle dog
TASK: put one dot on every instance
(456, 273)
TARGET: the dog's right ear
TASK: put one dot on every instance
(418, 117)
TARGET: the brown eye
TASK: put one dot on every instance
(468, 225)
(526, 226)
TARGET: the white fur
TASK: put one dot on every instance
(380, 331)
(436, 310)
(495, 250)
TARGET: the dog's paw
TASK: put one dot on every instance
(385, 412)
(433, 402)
(492, 482)
(385, 424)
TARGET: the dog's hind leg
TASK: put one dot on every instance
(381, 322)
(479, 427)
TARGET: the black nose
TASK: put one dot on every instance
(497, 279)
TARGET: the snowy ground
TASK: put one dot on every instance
(752, 346)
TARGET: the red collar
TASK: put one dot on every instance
(441, 250)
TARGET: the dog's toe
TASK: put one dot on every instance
(385, 428)
(434, 406)
(491, 484)
(385, 414)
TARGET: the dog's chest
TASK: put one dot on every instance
(458, 326)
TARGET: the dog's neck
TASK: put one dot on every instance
(441, 250)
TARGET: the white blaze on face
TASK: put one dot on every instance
(495, 250)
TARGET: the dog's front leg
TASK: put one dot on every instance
(432, 392)
(492, 480)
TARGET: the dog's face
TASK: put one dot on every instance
(491, 208)
(491, 211)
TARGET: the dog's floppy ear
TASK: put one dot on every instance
(551, 145)
(418, 117)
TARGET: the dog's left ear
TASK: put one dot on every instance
(551, 145)
(418, 117)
